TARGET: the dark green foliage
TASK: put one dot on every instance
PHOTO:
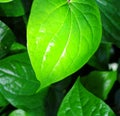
(52, 61)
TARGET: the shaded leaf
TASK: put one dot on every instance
(17, 48)
(6, 39)
(62, 36)
(110, 13)
(14, 8)
(100, 82)
(80, 102)
(3, 101)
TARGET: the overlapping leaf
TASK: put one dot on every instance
(62, 36)
(100, 82)
(6, 39)
(80, 102)
(14, 8)
(17, 76)
(110, 13)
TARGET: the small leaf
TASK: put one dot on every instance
(6, 39)
(80, 102)
(100, 82)
(17, 48)
(17, 76)
(62, 36)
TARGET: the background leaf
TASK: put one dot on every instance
(34, 103)
(3, 101)
(110, 13)
(56, 50)
(14, 8)
(78, 99)
(17, 76)
(6, 39)
(100, 82)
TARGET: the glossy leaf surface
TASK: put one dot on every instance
(6, 39)
(34, 103)
(100, 82)
(17, 76)
(80, 102)
(110, 13)
(62, 36)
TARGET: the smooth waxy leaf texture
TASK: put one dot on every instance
(17, 76)
(4, 1)
(6, 39)
(110, 13)
(62, 36)
(80, 102)
(100, 82)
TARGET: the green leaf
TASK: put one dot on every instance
(18, 112)
(6, 39)
(3, 101)
(21, 112)
(17, 48)
(34, 103)
(100, 82)
(4, 1)
(80, 102)
(62, 36)
(17, 76)
(110, 13)
(14, 8)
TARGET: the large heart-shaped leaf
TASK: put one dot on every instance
(80, 102)
(62, 36)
